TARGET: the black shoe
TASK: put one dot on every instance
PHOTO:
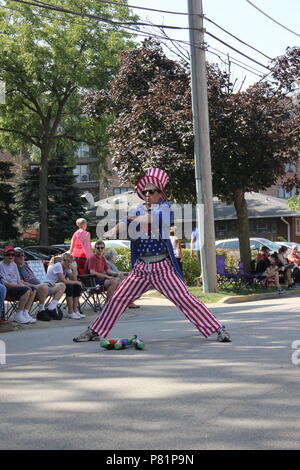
(43, 316)
(55, 314)
(52, 313)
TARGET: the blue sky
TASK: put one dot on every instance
(240, 19)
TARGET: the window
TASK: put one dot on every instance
(298, 226)
(290, 167)
(83, 150)
(121, 190)
(82, 174)
(283, 193)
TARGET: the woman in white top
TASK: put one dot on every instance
(65, 272)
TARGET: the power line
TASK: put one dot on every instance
(105, 20)
(236, 50)
(144, 8)
(125, 25)
(272, 19)
(235, 37)
(235, 61)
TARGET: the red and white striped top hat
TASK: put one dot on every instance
(154, 176)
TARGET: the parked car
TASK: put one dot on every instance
(255, 244)
(289, 244)
(115, 243)
(63, 247)
(45, 249)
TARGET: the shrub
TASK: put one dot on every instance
(191, 267)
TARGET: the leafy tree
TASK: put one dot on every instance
(252, 132)
(47, 59)
(64, 201)
(8, 213)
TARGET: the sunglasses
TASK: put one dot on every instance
(19, 255)
(11, 255)
(150, 191)
(100, 247)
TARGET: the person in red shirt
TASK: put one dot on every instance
(293, 257)
(97, 266)
(263, 254)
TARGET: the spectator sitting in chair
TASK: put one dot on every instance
(263, 254)
(285, 266)
(111, 258)
(2, 298)
(64, 271)
(43, 290)
(98, 267)
(293, 257)
(268, 268)
(15, 287)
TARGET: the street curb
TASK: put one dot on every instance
(252, 297)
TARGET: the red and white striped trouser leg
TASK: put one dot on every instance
(133, 286)
(169, 283)
(162, 277)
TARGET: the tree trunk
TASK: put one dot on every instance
(43, 189)
(241, 208)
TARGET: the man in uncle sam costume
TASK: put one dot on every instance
(154, 264)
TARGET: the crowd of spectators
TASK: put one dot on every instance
(279, 267)
(19, 283)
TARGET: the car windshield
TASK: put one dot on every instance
(272, 245)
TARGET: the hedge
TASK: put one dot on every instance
(191, 267)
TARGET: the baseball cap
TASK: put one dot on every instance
(8, 248)
(18, 249)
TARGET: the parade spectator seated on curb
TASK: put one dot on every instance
(43, 290)
(98, 267)
(111, 258)
(268, 268)
(64, 271)
(16, 289)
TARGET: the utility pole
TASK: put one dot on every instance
(205, 212)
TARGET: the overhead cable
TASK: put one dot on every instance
(125, 25)
(144, 8)
(272, 19)
(235, 37)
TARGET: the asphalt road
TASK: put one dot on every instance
(182, 392)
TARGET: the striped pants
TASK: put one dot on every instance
(163, 277)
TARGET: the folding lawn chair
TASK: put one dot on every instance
(92, 294)
(224, 277)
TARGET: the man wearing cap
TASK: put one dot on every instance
(42, 289)
(154, 264)
(16, 289)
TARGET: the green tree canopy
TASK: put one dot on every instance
(64, 201)
(47, 59)
(8, 213)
